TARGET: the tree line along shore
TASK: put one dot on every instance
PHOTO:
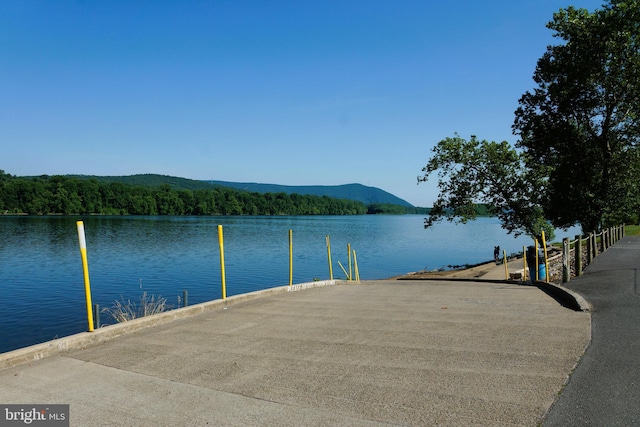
(49, 195)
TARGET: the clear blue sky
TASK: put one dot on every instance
(305, 92)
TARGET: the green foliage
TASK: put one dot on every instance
(477, 173)
(71, 195)
(151, 180)
(578, 157)
(389, 209)
(579, 127)
(483, 209)
(383, 208)
(358, 192)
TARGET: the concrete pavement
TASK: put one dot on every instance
(379, 353)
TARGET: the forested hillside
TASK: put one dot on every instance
(377, 201)
(73, 195)
(152, 180)
(359, 192)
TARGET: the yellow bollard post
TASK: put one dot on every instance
(85, 270)
(524, 264)
(290, 257)
(355, 265)
(537, 261)
(329, 256)
(349, 257)
(546, 259)
(222, 273)
(506, 267)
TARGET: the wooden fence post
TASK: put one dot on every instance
(566, 258)
(578, 253)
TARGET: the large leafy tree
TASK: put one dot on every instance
(579, 128)
(578, 157)
(472, 172)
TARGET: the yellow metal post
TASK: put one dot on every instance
(290, 257)
(355, 265)
(506, 267)
(221, 243)
(546, 259)
(329, 256)
(349, 256)
(524, 264)
(342, 267)
(85, 270)
(537, 261)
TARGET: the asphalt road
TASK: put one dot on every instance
(604, 389)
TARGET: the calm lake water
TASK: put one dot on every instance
(41, 280)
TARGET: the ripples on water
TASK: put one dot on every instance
(41, 273)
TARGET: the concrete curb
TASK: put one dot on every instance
(458, 279)
(564, 296)
(88, 339)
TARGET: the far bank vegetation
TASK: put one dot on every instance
(48, 195)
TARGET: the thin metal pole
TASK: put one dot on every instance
(85, 270)
(222, 273)
(537, 262)
(524, 263)
(329, 256)
(355, 265)
(290, 257)
(342, 267)
(349, 256)
(96, 310)
(506, 267)
(546, 259)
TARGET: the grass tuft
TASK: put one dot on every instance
(123, 311)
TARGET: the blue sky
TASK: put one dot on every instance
(305, 92)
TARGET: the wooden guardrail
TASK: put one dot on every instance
(580, 252)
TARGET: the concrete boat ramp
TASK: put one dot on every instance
(388, 352)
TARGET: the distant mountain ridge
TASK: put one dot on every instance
(357, 192)
(151, 180)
